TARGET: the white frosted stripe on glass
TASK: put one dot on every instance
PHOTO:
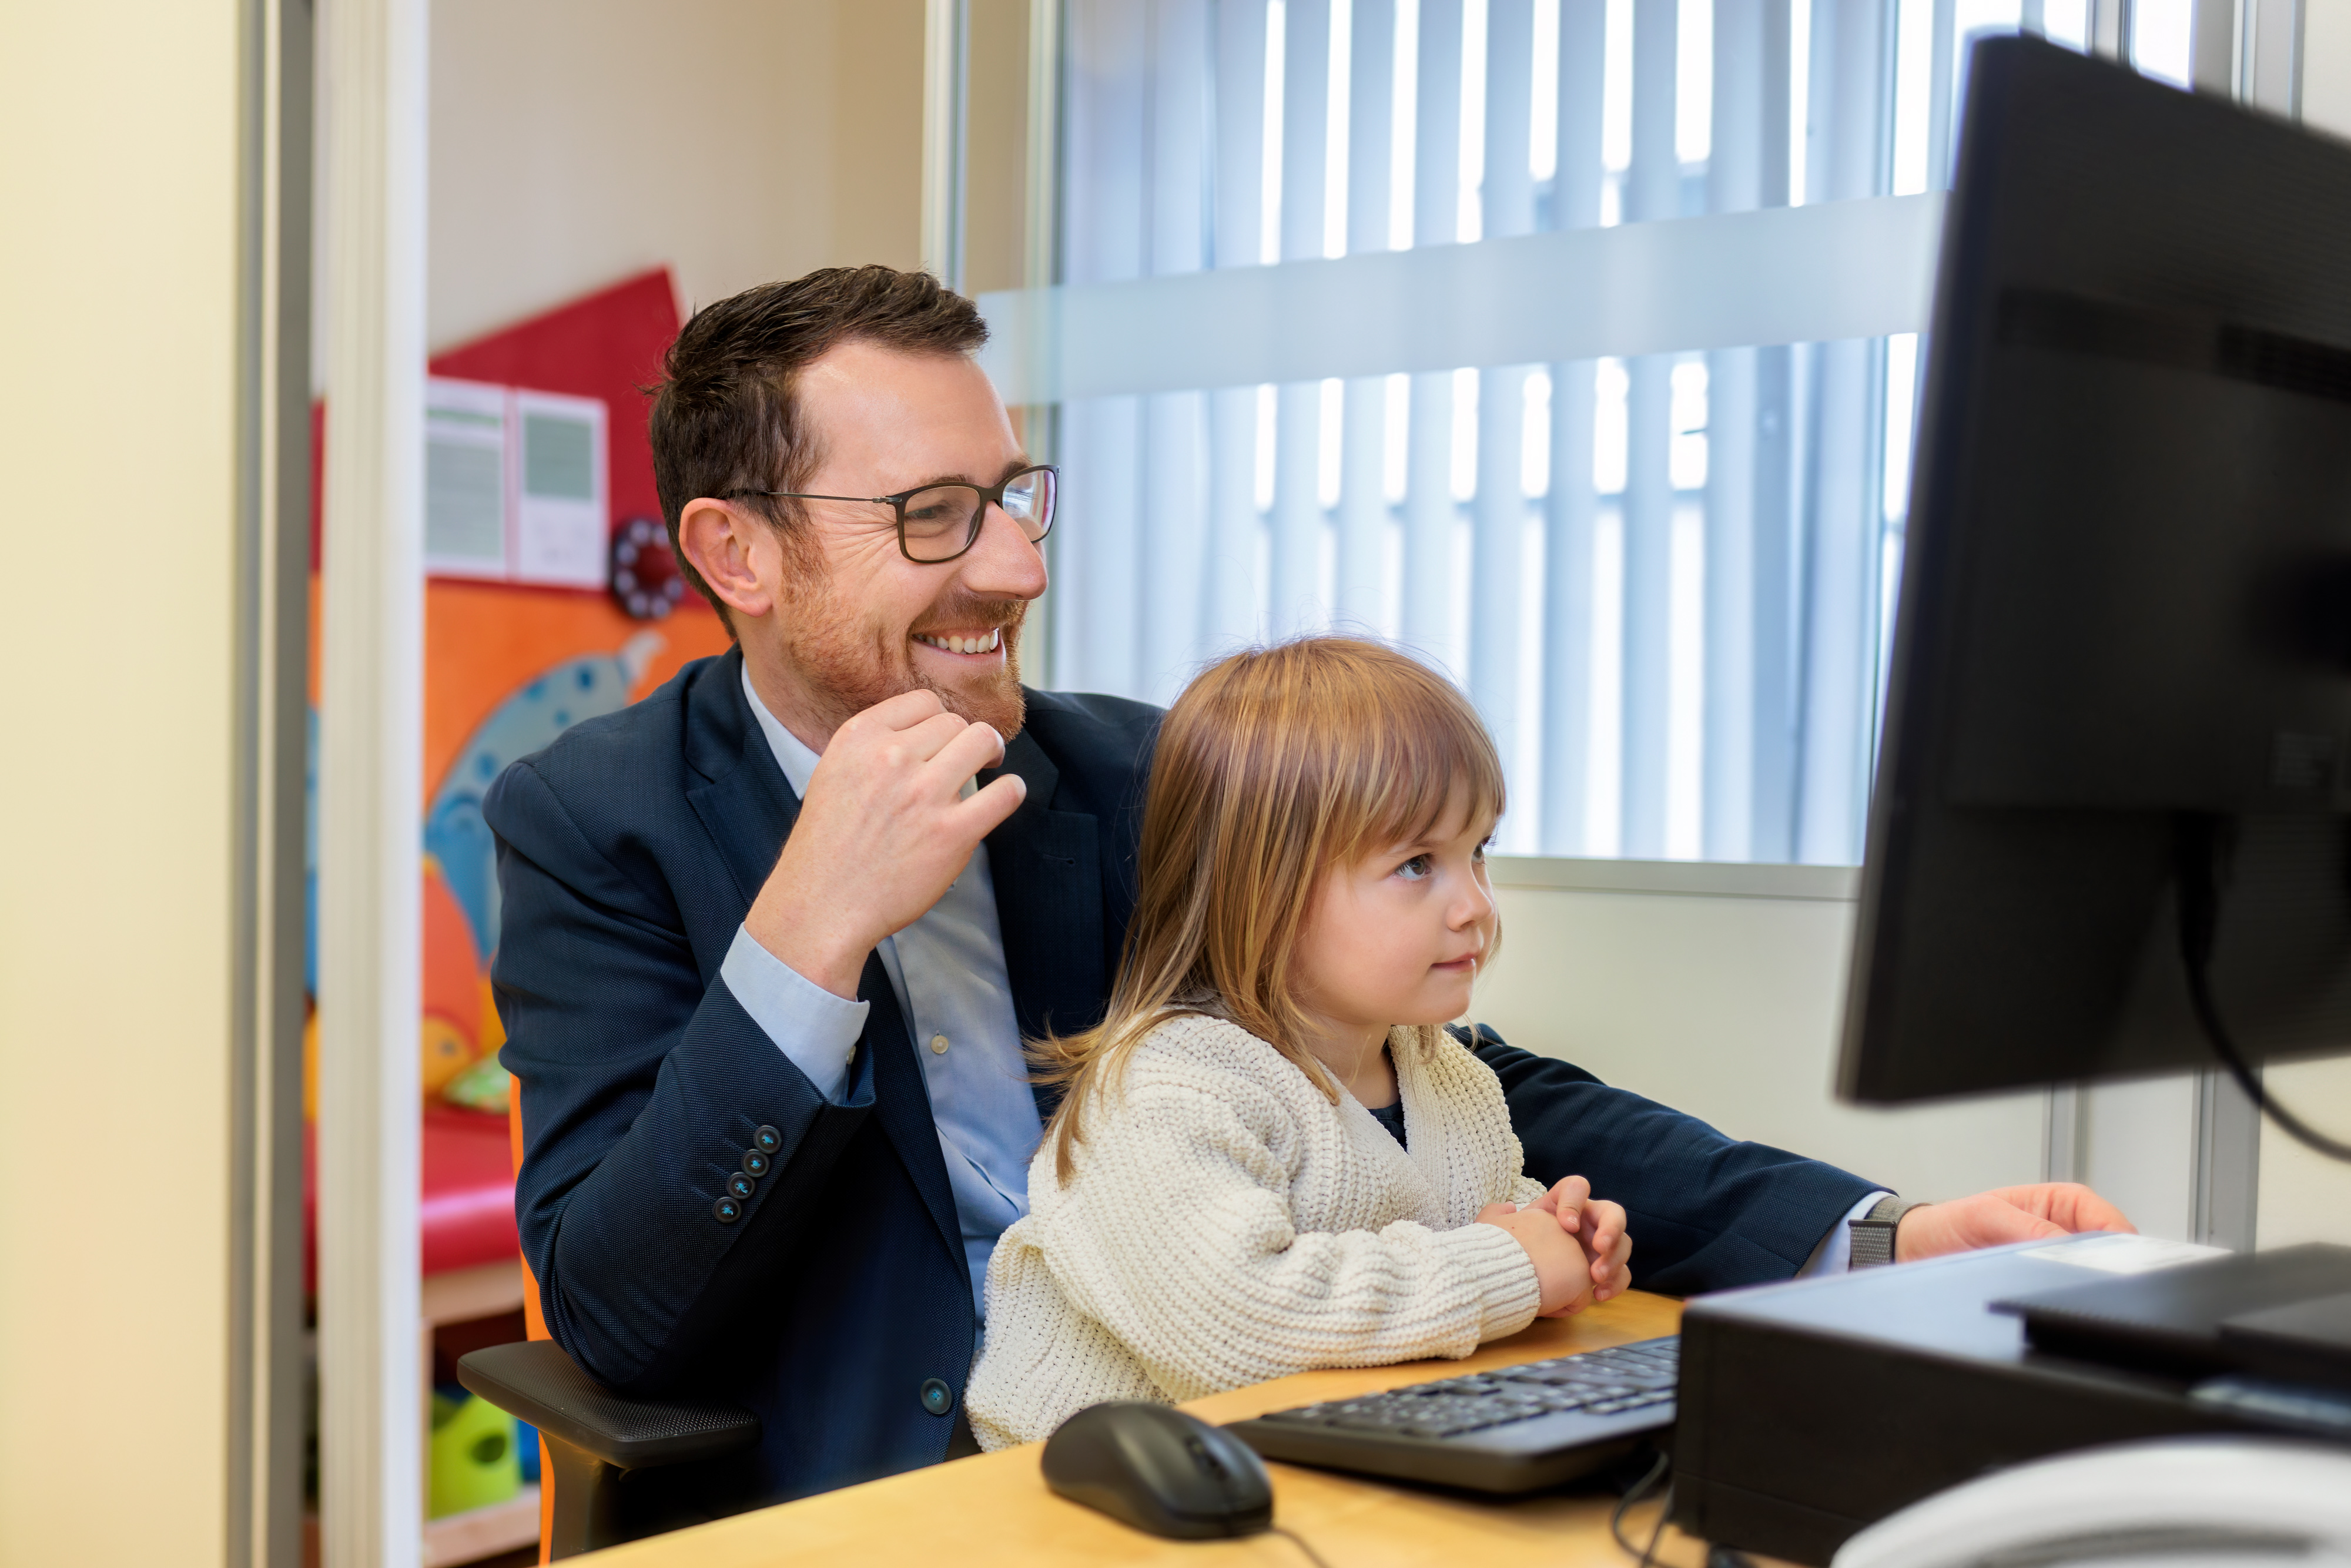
(1785, 275)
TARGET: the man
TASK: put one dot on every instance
(773, 935)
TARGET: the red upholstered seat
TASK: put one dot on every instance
(466, 1211)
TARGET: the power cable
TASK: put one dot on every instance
(2202, 845)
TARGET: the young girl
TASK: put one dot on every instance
(1270, 1157)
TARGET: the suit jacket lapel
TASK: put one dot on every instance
(1047, 867)
(748, 806)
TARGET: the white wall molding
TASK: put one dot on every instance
(943, 58)
(1690, 879)
(369, 805)
(265, 1244)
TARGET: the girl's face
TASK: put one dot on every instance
(1397, 938)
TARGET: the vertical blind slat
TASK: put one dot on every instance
(1497, 551)
(1571, 505)
(1734, 184)
(1360, 591)
(1237, 103)
(1849, 154)
(1297, 520)
(1429, 509)
(1652, 194)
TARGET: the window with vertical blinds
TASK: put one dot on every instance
(1572, 343)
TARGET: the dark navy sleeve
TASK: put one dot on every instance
(1706, 1212)
(643, 1087)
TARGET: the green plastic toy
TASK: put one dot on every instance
(473, 1457)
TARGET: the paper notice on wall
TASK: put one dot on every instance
(465, 479)
(516, 485)
(560, 511)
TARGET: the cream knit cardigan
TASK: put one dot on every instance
(1227, 1224)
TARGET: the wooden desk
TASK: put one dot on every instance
(994, 1509)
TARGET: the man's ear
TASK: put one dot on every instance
(738, 555)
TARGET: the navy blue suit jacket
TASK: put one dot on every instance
(629, 852)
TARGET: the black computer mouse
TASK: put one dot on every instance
(1161, 1471)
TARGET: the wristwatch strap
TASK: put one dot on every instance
(1873, 1233)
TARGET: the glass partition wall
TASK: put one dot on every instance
(1574, 344)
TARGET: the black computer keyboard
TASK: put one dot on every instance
(1515, 1428)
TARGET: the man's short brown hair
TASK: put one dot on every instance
(726, 416)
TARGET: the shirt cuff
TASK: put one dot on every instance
(1834, 1254)
(815, 1029)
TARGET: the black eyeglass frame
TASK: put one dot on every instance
(989, 495)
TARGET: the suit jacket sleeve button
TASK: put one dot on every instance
(937, 1397)
(741, 1187)
(756, 1165)
(727, 1210)
(768, 1141)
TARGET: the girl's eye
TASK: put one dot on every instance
(1414, 869)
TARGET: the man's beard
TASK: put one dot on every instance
(848, 666)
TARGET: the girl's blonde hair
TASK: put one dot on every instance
(1274, 765)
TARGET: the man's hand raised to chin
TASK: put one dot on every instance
(2001, 1216)
(881, 836)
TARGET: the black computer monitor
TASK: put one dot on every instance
(2113, 811)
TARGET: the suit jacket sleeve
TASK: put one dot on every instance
(1706, 1212)
(642, 1085)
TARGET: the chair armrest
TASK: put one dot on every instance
(536, 1382)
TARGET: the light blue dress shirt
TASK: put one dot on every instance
(947, 971)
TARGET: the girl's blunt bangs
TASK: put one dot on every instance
(1410, 744)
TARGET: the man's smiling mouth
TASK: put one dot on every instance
(986, 642)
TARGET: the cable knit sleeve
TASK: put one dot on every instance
(1178, 1239)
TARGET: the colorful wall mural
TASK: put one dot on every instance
(507, 668)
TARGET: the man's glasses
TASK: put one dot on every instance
(940, 522)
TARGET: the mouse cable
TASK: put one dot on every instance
(1300, 1542)
(1633, 1495)
(2202, 845)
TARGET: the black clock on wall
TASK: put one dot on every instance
(645, 579)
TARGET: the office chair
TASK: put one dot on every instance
(588, 1437)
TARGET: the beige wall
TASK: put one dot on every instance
(2326, 66)
(119, 162)
(1728, 1008)
(576, 142)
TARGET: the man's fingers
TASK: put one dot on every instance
(903, 711)
(2069, 1205)
(981, 814)
(964, 754)
(1987, 1219)
(927, 741)
(2078, 1209)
